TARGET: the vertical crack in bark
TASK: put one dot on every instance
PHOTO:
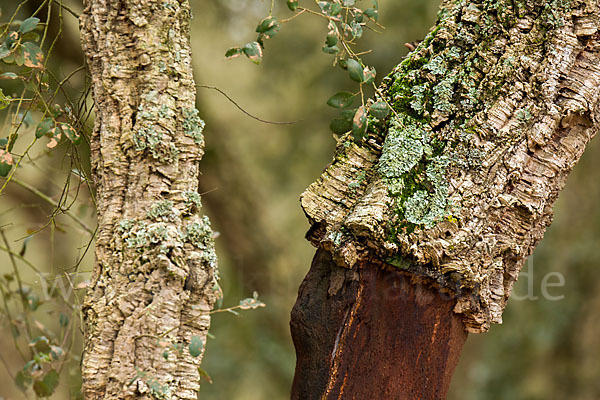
(153, 283)
(492, 111)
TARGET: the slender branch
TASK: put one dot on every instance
(53, 203)
(244, 111)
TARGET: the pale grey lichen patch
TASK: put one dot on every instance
(192, 199)
(200, 235)
(402, 150)
(193, 125)
(163, 210)
(427, 208)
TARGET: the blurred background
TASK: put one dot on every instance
(253, 174)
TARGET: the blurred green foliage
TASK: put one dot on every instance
(253, 174)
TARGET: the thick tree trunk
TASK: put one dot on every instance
(455, 188)
(153, 282)
(352, 325)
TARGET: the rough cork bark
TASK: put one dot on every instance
(153, 283)
(491, 112)
(453, 189)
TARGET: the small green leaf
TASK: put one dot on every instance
(196, 346)
(70, 133)
(6, 162)
(233, 52)
(19, 56)
(369, 75)
(46, 386)
(9, 75)
(372, 13)
(359, 123)
(379, 110)
(335, 9)
(11, 39)
(33, 55)
(29, 24)
(341, 100)
(63, 319)
(330, 49)
(355, 70)
(343, 123)
(204, 374)
(23, 380)
(30, 37)
(44, 127)
(292, 4)
(253, 51)
(3, 142)
(324, 6)
(4, 51)
(268, 26)
(4, 100)
(331, 39)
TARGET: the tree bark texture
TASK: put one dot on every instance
(153, 284)
(456, 186)
(369, 332)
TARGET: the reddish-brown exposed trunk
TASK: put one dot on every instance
(370, 332)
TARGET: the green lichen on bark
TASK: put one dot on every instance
(155, 261)
(490, 113)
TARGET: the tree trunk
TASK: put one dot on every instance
(153, 283)
(454, 189)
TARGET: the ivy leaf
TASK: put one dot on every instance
(343, 123)
(32, 55)
(29, 24)
(359, 123)
(355, 70)
(341, 100)
(379, 110)
(253, 51)
(292, 4)
(44, 127)
(196, 346)
(70, 133)
(6, 162)
(233, 53)
(46, 386)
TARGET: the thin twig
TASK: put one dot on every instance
(48, 200)
(244, 111)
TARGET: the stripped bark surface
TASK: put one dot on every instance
(369, 332)
(153, 282)
(491, 112)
